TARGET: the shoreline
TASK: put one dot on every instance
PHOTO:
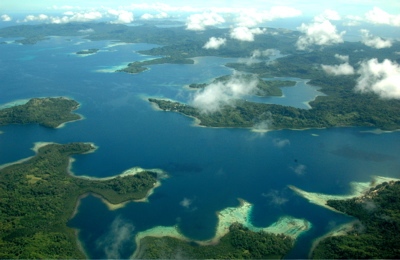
(358, 189)
(338, 231)
(286, 225)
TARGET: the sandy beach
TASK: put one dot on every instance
(357, 189)
(285, 225)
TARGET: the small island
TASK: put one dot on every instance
(38, 197)
(376, 233)
(87, 52)
(235, 238)
(138, 66)
(49, 112)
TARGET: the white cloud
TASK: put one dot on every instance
(259, 53)
(351, 23)
(69, 17)
(378, 16)
(374, 41)
(217, 95)
(299, 169)
(318, 33)
(122, 16)
(253, 17)
(186, 203)
(40, 17)
(344, 58)
(5, 18)
(161, 15)
(264, 53)
(342, 69)
(119, 234)
(327, 15)
(280, 143)
(276, 197)
(380, 78)
(245, 34)
(199, 22)
(214, 43)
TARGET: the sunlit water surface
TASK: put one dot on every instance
(210, 168)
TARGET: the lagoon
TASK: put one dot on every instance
(209, 168)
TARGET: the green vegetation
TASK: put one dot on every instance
(326, 112)
(49, 112)
(31, 40)
(239, 243)
(38, 197)
(377, 235)
(89, 51)
(265, 88)
(137, 66)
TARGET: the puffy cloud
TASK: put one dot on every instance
(253, 17)
(280, 143)
(217, 95)
(122, 16)
(276, 197)
(263, 125)
(5, 18)
(299, 169)
(186, 203)
(342, 69)
(157, 16)
(69, 17)
(378, 16)
(380, 78)
(327, 15)
(264, 53)
(214, 43)
(40, 17)
(245, 34)
(119, 234)
(77, 17)
(257, 54)
(344, 58)
(374, 41)
(318, 33)
(199, 22)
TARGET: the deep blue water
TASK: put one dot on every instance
(208, 166)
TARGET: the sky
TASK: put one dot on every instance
(307, 7)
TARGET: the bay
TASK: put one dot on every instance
(210, 168)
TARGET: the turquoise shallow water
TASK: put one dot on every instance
(208, 167)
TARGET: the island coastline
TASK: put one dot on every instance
(285, 225)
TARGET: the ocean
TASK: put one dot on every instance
(208, 168)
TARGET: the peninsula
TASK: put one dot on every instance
(235, 238)
(376, 205)
(38, 198)
(138, 66)
(48, 112)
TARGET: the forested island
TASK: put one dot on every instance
(235, 238)
(377, 233)
(87, 52)
(138, 66)
(239, 243)
(48, 112)
(38, 198)
(246, 114)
